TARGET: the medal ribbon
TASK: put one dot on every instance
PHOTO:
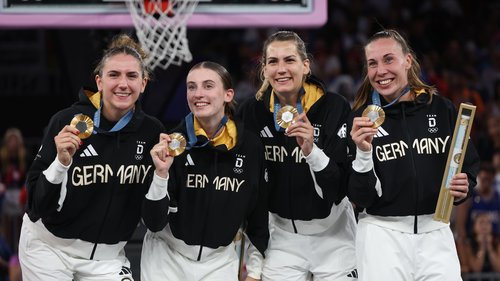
(277, 107)
(117, 127)
(376, 97)
(191, 135)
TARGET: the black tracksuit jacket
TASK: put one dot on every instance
(409, 152)
(106, 182)
(292, 189)
(215, 191)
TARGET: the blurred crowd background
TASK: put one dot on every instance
(456, 41)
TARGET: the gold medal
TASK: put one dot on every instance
(375, 113)
(84, 124)
(177, 144)
(285, 116)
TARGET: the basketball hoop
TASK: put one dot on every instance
(160, 26)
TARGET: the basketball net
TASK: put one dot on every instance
(160, 26)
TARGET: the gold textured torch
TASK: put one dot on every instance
(455, 160)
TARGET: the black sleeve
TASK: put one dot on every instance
(43, 196)
(155, 213)
(362, 189)
(333, 178)
(258, 218)
(361, 186)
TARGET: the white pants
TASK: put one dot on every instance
(385, 254)
(161, 262)
(41, 261)
(328, 256)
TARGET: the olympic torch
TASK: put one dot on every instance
(455, 160)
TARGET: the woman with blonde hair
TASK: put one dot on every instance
(303, 129)
(400, 133)
(89, 178)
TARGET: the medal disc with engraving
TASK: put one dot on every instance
(177, 144)
(375, 113)
(84, 124)
(285, 116)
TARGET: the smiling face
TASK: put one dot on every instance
(121, 84)
(206, 95)
(284, 68)
(387, 67)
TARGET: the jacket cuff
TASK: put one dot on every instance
(317, 159)
(158, 188)
(56, 172)
(363, 162)
(254, 263)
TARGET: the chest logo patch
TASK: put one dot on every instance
(431, 122)
(238, 166)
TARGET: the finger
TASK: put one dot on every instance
(358, 120)
(71, 146)
(459, 180)
(296, 125)
(459, 189)
(300, 131)
(163, 137)
(458, 194)
(301, 118)
(66, 135)
(460, 176)
(363, 133)
(364, 126)
(69, 129)
(301, 124)
(76, 142)
(72, 130)
(68, 140)
(161, 151)
(362, 122)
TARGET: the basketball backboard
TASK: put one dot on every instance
(208, 13)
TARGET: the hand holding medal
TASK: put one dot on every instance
(177, 144)
(69, 139)
(376, 115)
(163, 153)
(83, 124)
(375, 111)
(361, 133)
(285, 116)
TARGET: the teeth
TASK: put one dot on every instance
(384, 82)
(201, 103)
(282, 79)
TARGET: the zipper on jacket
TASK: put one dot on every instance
(209, 197)
(93, 251)
(199, 253)
(292, 215)
(108, 206)
(408, 137)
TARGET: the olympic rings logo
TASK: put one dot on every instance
(433, 130)
(237, 170)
